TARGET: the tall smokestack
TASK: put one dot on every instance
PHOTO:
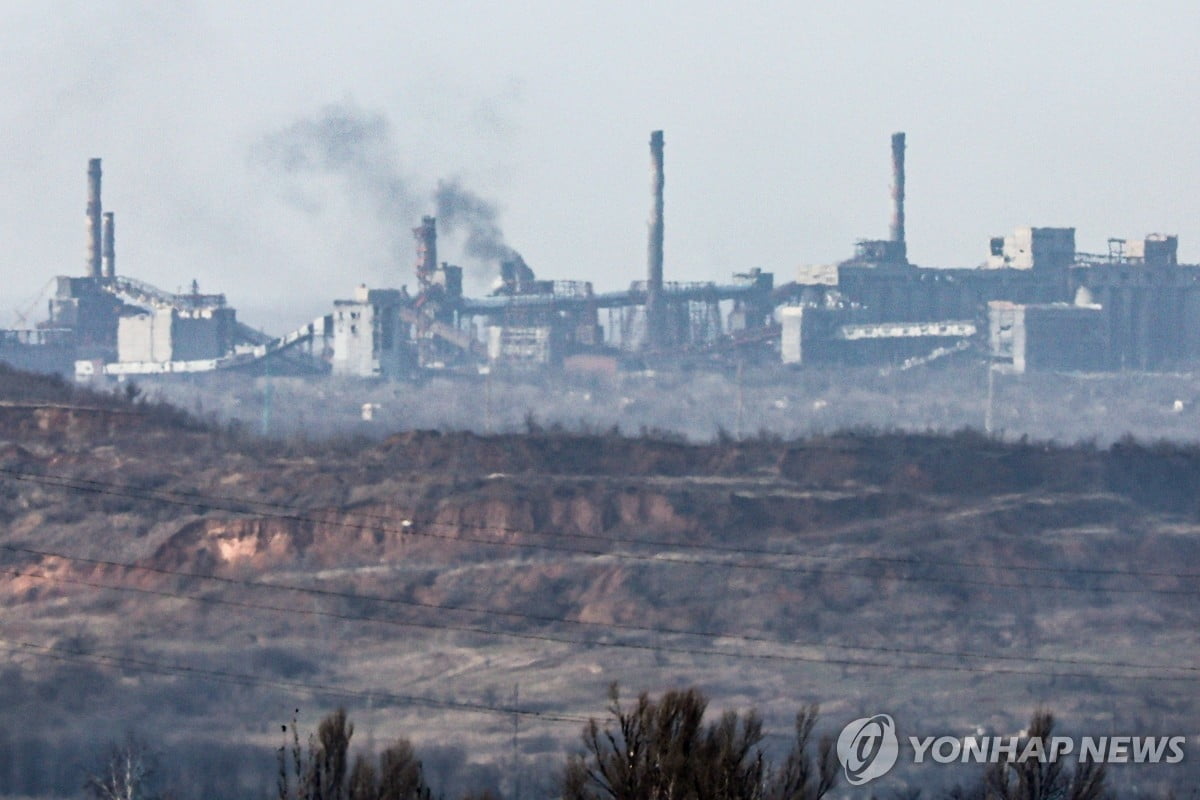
(897, 188)
(654, 271)
(110, 245)
(93, 219)
(426, 236)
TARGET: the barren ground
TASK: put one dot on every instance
(955, 582)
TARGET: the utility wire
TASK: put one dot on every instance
(518, 615)
(272, 509)
(174, 495)
(693, 651)
(223, 676)
(234, 505)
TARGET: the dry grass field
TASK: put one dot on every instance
(477, 594)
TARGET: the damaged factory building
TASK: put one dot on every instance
(118, 325)
(1034, 302)
(530, 324)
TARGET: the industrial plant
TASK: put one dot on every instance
(1034, 303)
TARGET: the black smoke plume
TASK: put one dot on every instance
(351, 144)
(359, 148)
(462, 212)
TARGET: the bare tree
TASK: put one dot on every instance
(363, 781)
(323, 772)
(1044, 779)
(329, 768)
(661, 750)
(805, 776)
(126, 774)
(401, 776)
(643, 756)
(730, 763)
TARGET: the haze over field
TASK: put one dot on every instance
(702, 406)
(776, 118)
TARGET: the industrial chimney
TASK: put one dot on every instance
(110, 245)
(654, 274)
(426, 236)
(93, 219)
(897, 232)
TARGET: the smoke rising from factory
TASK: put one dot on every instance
(359, 149)
(463, 213)
(356, 146)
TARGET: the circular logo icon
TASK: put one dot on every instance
(868, 748)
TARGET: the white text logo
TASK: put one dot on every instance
(868, 748)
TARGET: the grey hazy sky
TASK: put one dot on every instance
(777, 118)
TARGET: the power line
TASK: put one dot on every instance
(638, 646)
(176, 495)
(223, 676)
(608, 626)
(272, 509)
(415, 624)
(209, 502)
(519, 615)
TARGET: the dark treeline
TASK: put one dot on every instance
(667, 748)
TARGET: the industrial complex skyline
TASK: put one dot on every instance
(1022, 115)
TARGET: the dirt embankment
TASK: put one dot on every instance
(199, 502)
